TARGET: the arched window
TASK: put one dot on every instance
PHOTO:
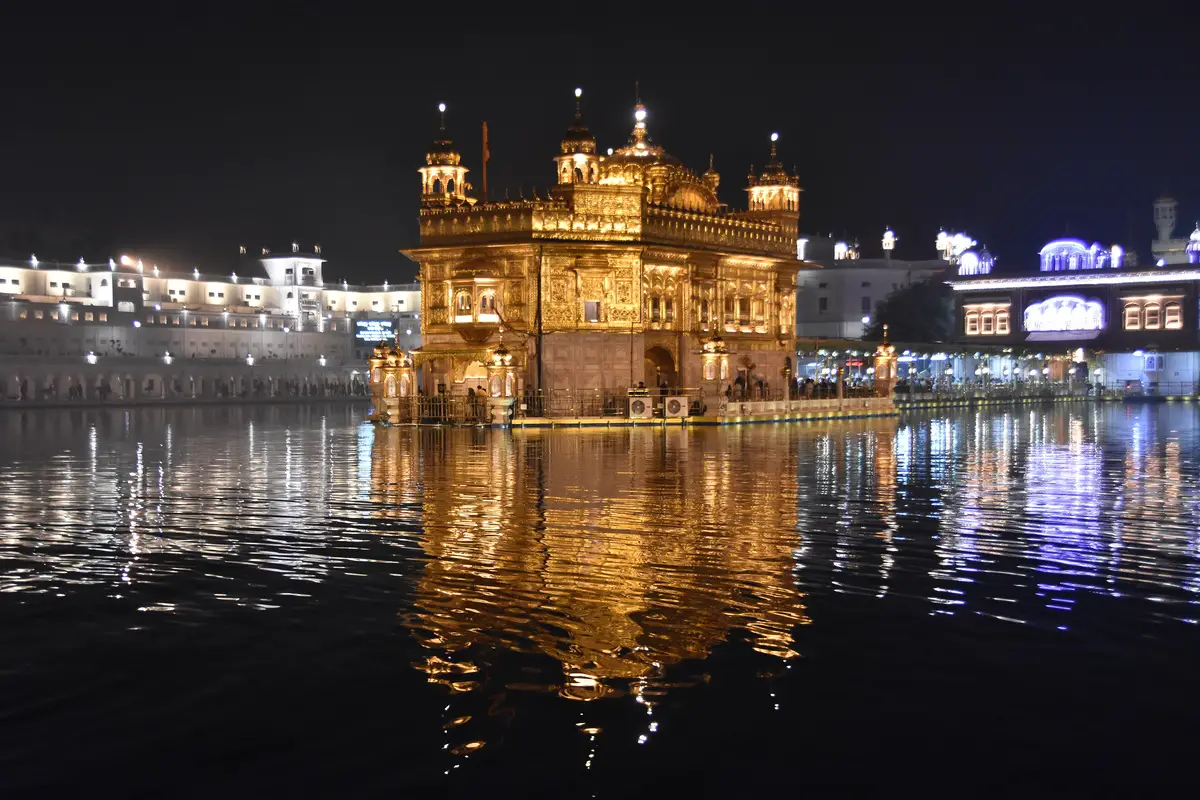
(487, 303)
(704, 311)
(290, 296)
(1002, 322)
(578, 175)
(462, 303)
(1133, 317)
(1173, 316)
(972, 323)
(104, 281)
(450, 186)
(655, 310)
(1152, 316)
(437, 185)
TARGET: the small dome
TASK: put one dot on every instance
(578, 139)
(442, 153)
(1195, 237)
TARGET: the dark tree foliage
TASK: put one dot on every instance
(919, 312)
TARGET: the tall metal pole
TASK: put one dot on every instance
(486, 155)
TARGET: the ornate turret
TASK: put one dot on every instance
(577, 161)
(774, 194)
(1193, 246)
(443, 178)
(711, 178)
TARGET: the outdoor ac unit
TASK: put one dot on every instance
(641, 407)
(676, 406)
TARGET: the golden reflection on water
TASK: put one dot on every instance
(617, 555)
(594, 564)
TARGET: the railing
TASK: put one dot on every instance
(1148, 389)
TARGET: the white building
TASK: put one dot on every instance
(1167, 249)
(279, 306)
(839, 300)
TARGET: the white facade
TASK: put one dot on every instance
(129, 308)
(1167, 248)
(832, 301)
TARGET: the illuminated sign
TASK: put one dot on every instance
(374, 330)
(1063, 314)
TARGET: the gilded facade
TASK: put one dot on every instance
(619, 276)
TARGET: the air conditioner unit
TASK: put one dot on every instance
(676, 406)
(641, 407)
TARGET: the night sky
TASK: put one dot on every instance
(183, 135)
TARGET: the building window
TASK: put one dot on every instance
(986, 319)
(75, 316)
(655, 310)
(87, 316)
(54, 315)
(462, 303)
(24, 314)
(104, 316)
(1151, 319)
(822, 304)
(125, 307)
(487, 303)
(822, 285)
(1173, 316)
(668, 310)
(703, 312)
(591, 311)
(1133, 317)
(866, 305)
(865, 284)
(162, 319)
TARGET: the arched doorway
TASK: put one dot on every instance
(474, 377)
(660, 367)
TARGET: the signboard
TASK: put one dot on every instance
(374, 330)
(1065, 313)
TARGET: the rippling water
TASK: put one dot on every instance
(223, 600)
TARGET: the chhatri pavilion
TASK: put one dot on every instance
(628, 272)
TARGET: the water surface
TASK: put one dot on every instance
(237, 600)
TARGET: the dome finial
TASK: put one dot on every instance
(578, 102)
(774, 139)
(442, 112)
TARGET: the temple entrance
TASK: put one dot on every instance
(474, 377)
(660, 367)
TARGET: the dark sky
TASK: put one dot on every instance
(184, 134)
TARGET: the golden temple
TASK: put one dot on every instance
(620, 276)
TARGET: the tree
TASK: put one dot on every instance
(919, 312)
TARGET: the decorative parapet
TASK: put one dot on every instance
(604, 214)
